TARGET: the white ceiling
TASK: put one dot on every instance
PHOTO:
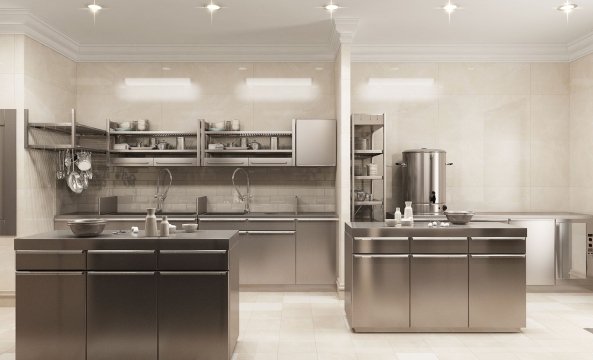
(302, 22)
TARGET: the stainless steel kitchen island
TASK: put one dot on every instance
(461, 278)
(126, 296)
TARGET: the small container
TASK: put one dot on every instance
(397, 216)
(235, 125)
(165, 227)
(372, 169)
(228, 125)
(243, 142)
(153, 142)
(142, 125)
(408, 212)
(274, 143)
(180, 143)
(361, 144)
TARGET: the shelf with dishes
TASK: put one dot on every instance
(134, 144)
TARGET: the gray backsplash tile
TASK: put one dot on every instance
(273, 189)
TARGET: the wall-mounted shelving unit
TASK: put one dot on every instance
(77, 135)
(370, 130)
(190, 156)
(232, 154)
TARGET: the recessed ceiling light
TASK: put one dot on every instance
(94, 8)
(331, 7)
(450, 8)
(567, 7)
(212, 7)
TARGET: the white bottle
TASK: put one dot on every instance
(408, 213)
(150, 228)
(165, 227)
(398, 216)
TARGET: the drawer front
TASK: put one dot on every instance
(381, 245)
(58, 260)
(222, 224)
(176, 161)
(484, 245)
(122, 260)
(270, 161)
(193, 260)
(270, 224)
(438, 245)
(226, 162)
(117, 161)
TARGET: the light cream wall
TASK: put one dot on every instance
(581, 135)
(503, 125)
(218, 92)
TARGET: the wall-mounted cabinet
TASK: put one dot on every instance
(152, 148)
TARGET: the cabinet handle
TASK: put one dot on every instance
(382, 238)
(50, 273)
(271, 232)
(269, 163)
(216, 273)
(497, 238)
(499, 256)
(394, 256)
(439, 256)
(223, 219)
(175, 163)
(269, 219)
(243, 232)
(316, 219)
(439, 238)
(143, 252)
(193, 251)
(49, 252)
(122, 273)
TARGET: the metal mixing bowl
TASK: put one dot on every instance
(459, 217)
(87, 227)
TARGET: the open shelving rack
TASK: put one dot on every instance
(371, 128)
(72, 129)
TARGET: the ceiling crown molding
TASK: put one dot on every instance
(581, 47)
(22, 21)
(460, 53)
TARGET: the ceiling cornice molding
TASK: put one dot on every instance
(205, 53)
(581, 47)
(22, 21)
(345, 29)
(460, 53)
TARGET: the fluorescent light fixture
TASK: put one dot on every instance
(157, 81)
(401, 82)
(279, 81)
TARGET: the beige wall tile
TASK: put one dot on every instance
(7, 54)
(485, 78)
(550, 118)
(550, 78)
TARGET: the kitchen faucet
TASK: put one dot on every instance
(246, 199)
(160, 197)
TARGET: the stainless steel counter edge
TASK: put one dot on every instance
(192, 218)
(477, 229)
(64, 240)
(505, 216)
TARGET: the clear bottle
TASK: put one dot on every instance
(408, 213)
(150, 227)
(398, 216)
(165, 227)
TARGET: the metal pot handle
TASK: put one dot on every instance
(402, 164)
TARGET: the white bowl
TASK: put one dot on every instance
(190, 228)
(390, 222)
(407, 222)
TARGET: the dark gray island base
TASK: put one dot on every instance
(461, 278)
(127, 296)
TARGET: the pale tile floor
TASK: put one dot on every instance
(312, 326)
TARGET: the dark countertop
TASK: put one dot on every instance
(189, 216)
(473, 229)
(65, 240)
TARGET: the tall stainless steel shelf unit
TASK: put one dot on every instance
(367, 147)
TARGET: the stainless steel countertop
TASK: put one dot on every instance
(191, 216)
(65, 240)
(473, 229)
(504, 216)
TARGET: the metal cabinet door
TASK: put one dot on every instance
(50, 315)
(438, 291)
(316, 252)
(540, 250)
(267, 258)
(121, 315)
(380, 292)
(315, 142)
(193, 315)
(222, 224)
(497, 291)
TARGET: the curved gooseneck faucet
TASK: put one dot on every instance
(160, 197)
(246, 199)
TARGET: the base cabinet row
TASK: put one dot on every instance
(398, 291)
(122, 315)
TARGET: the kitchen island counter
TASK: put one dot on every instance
(422, 229)
(127, 296)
